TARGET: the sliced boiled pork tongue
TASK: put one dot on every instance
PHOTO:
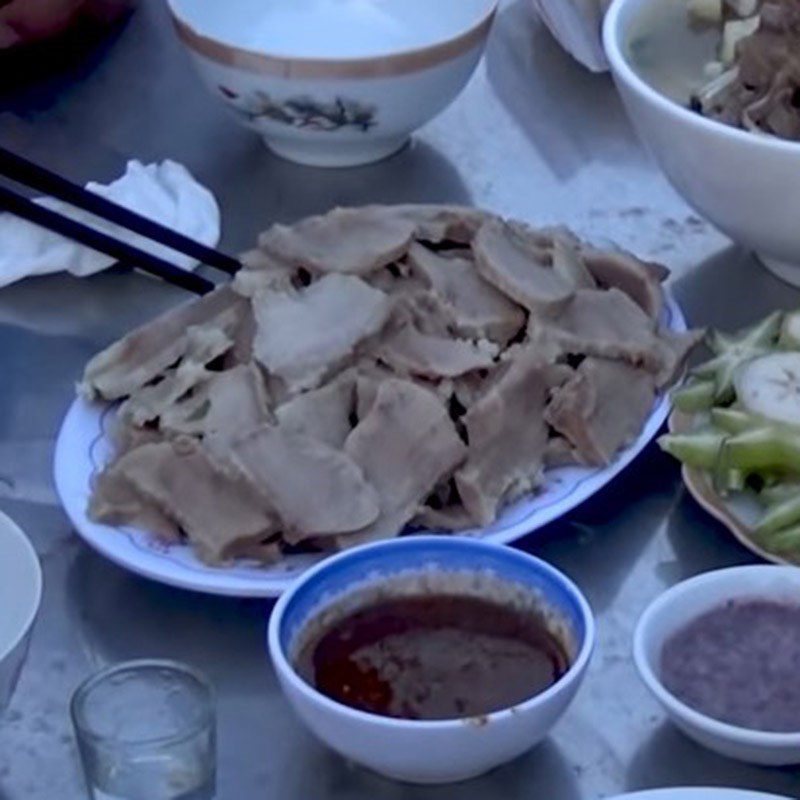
(374, 369)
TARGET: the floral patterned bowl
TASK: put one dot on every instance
(334, 83)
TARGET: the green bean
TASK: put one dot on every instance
(699, 449)
(768, 448)
(732, 420)
(784, 542)
(781, 516)
(694, 397)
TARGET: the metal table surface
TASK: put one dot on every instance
(534, 136)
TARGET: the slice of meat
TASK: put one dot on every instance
(324, 414)
(476, 307)
(115, 501)
(448, 519)
(408, 351)
(216, 508)
(301, 335)
(258, 260)
(507, 437)
(143, 355)
(405, 445)
(422, 308)
(438, 224)
(606, 324)
(640, 280)
(241, 351)
(355, 241)
(602, 408)
(396, 279)
(676, 349)
(370, 376)
(262, 271)
(443, 509)
(317, 491)
(264, 551)
(569, 263)
(560, 453)
(469, 388)
(124, 435)
(206, 343)
(517, 261)
(150, 402)
(235, 399)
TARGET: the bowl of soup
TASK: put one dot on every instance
(20, 595)
(721, 653)
(431, 660)
(334, 83)
(745, 181)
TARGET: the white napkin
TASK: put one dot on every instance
(577, 25)
(164, 192)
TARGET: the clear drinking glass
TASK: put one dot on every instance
(146, 731)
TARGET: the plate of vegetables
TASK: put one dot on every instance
(736, 430)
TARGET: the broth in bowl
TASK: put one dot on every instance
(431, 659)
(437, 654)
(670, 54)
(733, 61)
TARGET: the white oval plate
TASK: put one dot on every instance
(83, 448)
(699, 794)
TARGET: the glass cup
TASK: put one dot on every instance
(146, 731)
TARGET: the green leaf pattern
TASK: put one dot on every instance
(302, 111)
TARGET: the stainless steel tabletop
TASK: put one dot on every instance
(535, 137)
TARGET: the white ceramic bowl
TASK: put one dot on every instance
(747, 185)
(679, 606)
(335, 83)
(698, 793)
(20, 595)
(427, 752)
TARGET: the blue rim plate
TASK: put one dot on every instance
(83, 447)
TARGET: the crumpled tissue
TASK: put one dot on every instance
(165, 192)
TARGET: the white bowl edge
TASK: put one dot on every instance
(282, 663)
(616, 27)
(9, 527)
(756, 581)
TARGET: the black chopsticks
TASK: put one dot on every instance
(32, 175)
(102, 242)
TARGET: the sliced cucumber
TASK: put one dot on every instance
(732, 351)
(699, 449)
(770, 387)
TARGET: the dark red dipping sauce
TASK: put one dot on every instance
(434, 657)
(739, 664)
